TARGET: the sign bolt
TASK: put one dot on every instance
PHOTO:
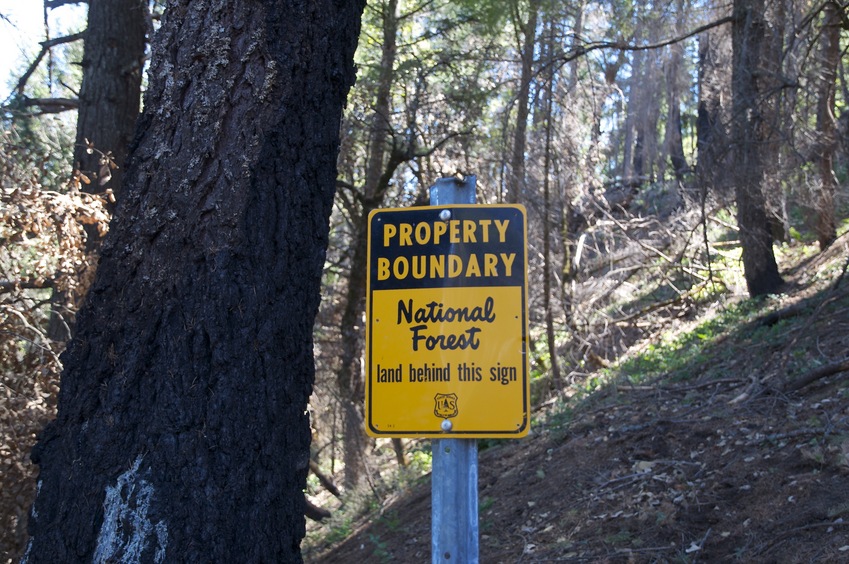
(445, 215)
(446, 425)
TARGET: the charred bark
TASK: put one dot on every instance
(182, 433)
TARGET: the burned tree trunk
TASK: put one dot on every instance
(182, 433)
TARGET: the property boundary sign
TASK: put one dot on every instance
(446, 331)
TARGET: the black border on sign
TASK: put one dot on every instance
(521, 248)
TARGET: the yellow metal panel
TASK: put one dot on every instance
(446, 337)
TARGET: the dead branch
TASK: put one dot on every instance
(818, 374)
(7, 286)
(315, 512)
(788, 312)
(795, 434)
(702, 385)
(325, 480)
(650, 308)
(52, 105)
(45, 47)
(582, 50)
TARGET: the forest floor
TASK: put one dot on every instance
(734, 448)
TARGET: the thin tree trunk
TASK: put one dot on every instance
(750, 140)
(110, 92)
(182, 432)
(517, 160)
(546, 226)
(377, 175)
(674, 142)
(825, 224)
(629, 136)
(711, 126)
(577, 39)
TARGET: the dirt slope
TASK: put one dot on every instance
(716, 458)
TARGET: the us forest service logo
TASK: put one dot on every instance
(445, 405)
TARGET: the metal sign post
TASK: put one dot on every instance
(454, 479)
(446, 342)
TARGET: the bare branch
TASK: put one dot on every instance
(429, 151)
(7, 286)
(582, 50)
(52, 105)
(315, 512)
(45, 47)
(325, 480)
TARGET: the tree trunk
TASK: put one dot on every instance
(712, 121)
(825, 225)
(517, 160)
(106, 119)
(547, 219)
(630, 148)
(109, 96)
(674, 142)
(377, 176)
(182, 433)
(750, 140)
(577, 40)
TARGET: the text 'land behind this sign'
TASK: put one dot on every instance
(446, 333)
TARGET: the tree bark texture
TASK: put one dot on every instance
(182, 433)
(750, 141)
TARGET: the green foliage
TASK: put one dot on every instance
(381, 554)
(420, 459)
(675, 353)
(339, 529)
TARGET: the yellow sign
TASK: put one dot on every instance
(446, 337)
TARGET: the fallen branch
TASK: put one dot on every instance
(818, 374)
(702, 385)
(775, 437)
(788, 312)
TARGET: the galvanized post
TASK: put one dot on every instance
(454, 480)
